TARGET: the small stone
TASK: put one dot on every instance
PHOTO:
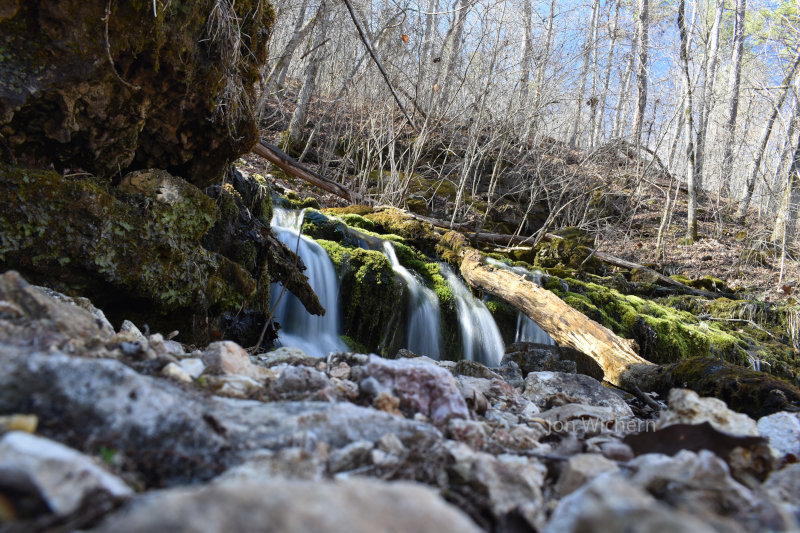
(687, 407)
(580, 469)
(420, 385)
(226, 357)
(616, 451)
(512, 374)
(129, 327)
(391, 444)
(341, 371)
(289, 463)
(233, 386)
(284, 354)
(176, 372)
(474, 369)
(299, 381)
(193, 366)
(60, 475)
(782, 429)
(502, 418)
(579, 419)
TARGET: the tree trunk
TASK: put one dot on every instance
(691, 226)
(707, 96)
(618, 130)
(785, 224)
(540, 72)
(726, 168)
(744, 204)
(277, 76)
(296, 124)
(587, 60)
(641, 70)
(597, 128)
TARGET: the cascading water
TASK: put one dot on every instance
(527, 329)
(315, 335)
(422, 330)
(480, 337)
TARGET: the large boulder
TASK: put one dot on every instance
(112, 86)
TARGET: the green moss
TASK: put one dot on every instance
(74, 234)
(369, 296)
(417, 233)
(358, 221)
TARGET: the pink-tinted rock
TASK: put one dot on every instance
(228, 358)
(421, 387)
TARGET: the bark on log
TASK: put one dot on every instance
(285, 162)
(567, 326)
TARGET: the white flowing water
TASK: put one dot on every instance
(422, 329)
(527, 329)
(480, 338)
(315, 335)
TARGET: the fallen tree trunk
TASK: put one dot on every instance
(567, 326)
(745, 390)
(285, 162)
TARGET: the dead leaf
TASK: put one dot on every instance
(405, 38)
(436, 88)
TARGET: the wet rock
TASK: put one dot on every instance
(511, 373)
(540, 387)
(227, 357)
(59, 475)
(531, 357)
(783, 432)
(420, 386)
(581, 468)
(170, 435)
(609, 504)
(347, 506)
(687, 407)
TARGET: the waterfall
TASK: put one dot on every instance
(422, 330)
(315, 335)
(527, 329)
(480, 337)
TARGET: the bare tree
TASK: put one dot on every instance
(726, 167)
(691, 227)
(643, 26)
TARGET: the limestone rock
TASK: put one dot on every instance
(782, 429)
(44, 320)
(226, 357)
(350, 457)
(783, 487)
(193, 366)
(299, 382)
(582, 468)
(289, 463)
(610, 504)
(351, 506)
(176, 372)
(60, 475)
(421, 386)
(194, 436)
(541, 386)
(687, 407)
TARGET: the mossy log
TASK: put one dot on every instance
(744, 390)
(564, 324)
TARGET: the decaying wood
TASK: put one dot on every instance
(567, 326)
(285, 162)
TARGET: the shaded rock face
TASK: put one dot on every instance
(110, 91)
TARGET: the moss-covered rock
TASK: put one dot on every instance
(571, 252)
(124, 90)
(420, 234)
(370, 297)
(135, 255)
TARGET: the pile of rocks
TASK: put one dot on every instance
(137, 432)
